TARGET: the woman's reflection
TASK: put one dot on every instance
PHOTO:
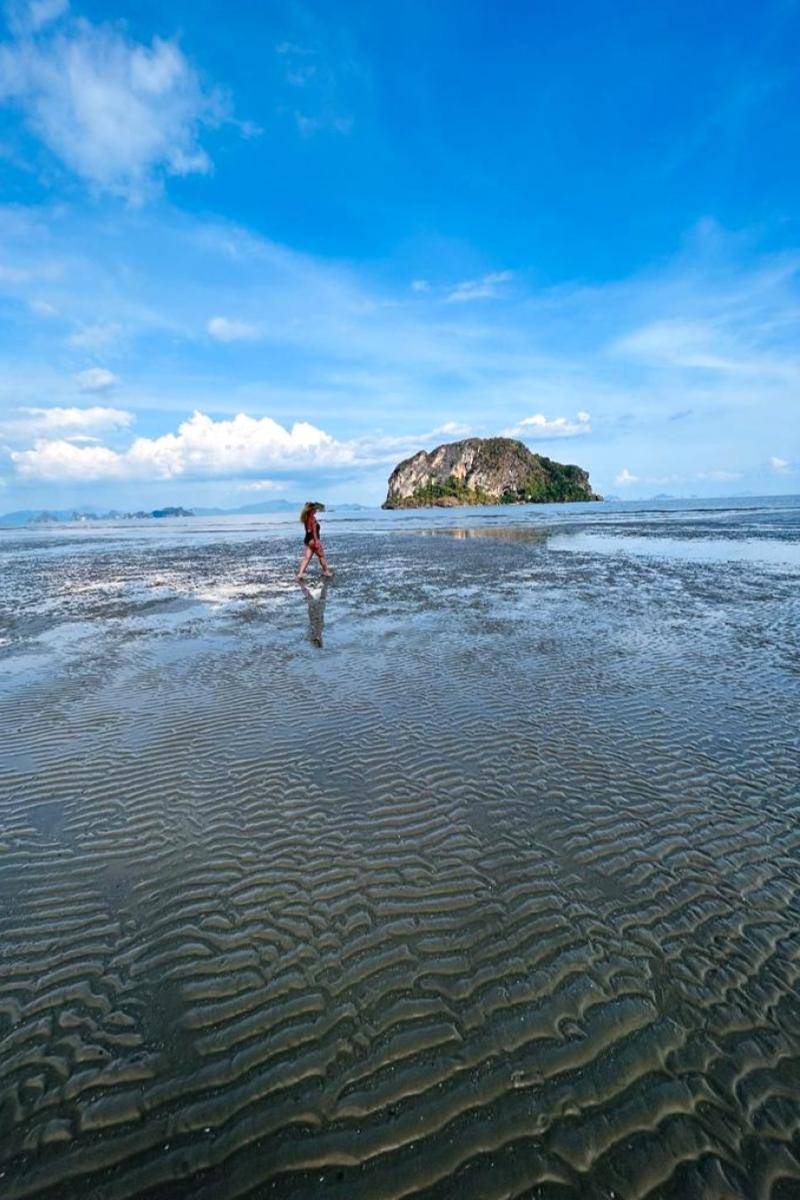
(316, 610)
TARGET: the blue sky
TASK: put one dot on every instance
(262, 250)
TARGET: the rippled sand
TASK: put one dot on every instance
(492, 894)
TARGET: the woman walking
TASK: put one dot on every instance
(313, 545)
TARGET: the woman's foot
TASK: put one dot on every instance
(327, 574)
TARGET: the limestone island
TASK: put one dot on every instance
(484, 471)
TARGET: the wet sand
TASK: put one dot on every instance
(494, 893)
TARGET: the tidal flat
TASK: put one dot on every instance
(474, 874)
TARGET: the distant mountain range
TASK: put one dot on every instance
(246, 510)
(273, 506)
(85, 514)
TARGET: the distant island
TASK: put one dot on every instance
(484, 471)
(84, 515)
(70, 516)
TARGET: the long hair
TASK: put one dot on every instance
(310, 506)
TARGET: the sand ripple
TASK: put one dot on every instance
(495, 895)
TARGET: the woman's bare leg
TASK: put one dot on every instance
(304, 561)
(323, 562)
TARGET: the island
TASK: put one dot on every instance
(495, 470)
(82, 516)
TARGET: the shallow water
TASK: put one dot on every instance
(780, 552)
(473, 874)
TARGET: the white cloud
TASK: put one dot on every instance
(703, 345)
(299, 76)
(309, 125)
(263, 485)
(119, 113)
(44, 11)
(14, 275)
(14, 278)
(452, 428)
(337, 350)
(96, 379)
(201, 447)
(542, 427)
(719, 476)
(486, 288)
(41, 308)
(320, 77)
(29, 17)
(64, 461)
(715, 475)
(224, 329)
(420, 285)
(670, 342)
(81, 420)
(292, 48)
(98, 336)
(779, 464)
(66, 422)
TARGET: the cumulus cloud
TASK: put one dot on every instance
(542, 427)
(225, 329)
(420, 285)
(488, 287)
(625, 478)
(339, 348)
(63, 460)
(780, 465)
(201, 447)
(119, 113)
(96, 379)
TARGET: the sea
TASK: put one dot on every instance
(471, 873)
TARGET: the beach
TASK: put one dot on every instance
(475, 876)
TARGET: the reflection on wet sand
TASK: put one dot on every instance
(316, 610)
(504, 533)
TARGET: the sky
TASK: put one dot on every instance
(267, 250)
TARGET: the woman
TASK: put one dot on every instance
(313, 545)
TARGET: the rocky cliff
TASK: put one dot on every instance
(484, 471)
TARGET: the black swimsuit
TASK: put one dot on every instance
(311, 534)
